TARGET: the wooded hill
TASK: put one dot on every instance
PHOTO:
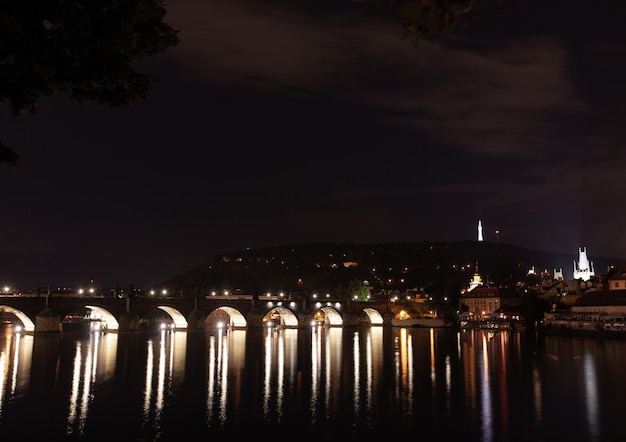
(442, 268)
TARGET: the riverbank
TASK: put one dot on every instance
(599, 333)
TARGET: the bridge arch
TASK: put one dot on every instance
(27, 324)
(111, 321)
(280, 316)
(180, 323)
(225, 316)
(374, 316)
(328, 316)
(44, 314)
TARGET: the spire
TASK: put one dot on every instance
(480, 230)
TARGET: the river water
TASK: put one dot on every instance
(333, 383)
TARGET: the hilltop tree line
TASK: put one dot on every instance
(441, 269)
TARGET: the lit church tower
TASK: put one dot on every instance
(480, 230)
(584, 270)
(558, 274)
(477, 280)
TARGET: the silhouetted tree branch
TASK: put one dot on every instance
(84, 48)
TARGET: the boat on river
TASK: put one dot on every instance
(83, 324)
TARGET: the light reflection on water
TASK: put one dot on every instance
(485, 386)
(15, 358)
(165, 354)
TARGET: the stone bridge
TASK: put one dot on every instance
(45, 314)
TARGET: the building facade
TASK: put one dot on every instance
(486, 302)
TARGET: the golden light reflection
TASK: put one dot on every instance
(280, 376)
(280, 351)
(217, 388)
(367, 356)
(487, 409)
(86, 369)
(147, 393)
(404, 367)
(333, 355)
(591, 397)
(167, 354)
(356, 384)
(487, 358)
(316, 349)
(3, 378)
(433, 368)
(467, 356)
(15, 359)
(226, 357)
(374, 362)
(267, 371)
(328, 359)
(222, 370)
(501, 371)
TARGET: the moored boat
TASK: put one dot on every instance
(83, 325)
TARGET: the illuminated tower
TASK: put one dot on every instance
(480, 230)
(477, 280)
(558, 274)
(584, 270)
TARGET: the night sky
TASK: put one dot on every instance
(275, 124)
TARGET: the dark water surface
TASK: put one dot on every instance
(333, 383)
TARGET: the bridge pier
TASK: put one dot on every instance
(254, 318)
(128, 322)
(350, 319)
(48, 322)
(388, 316)
(304, 319)
(196, 321)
